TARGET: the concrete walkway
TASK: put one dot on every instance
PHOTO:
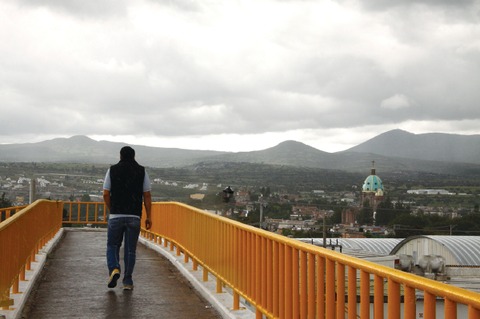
(73, 284)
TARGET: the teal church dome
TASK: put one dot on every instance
(373, 184)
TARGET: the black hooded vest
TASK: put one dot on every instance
(126, 193)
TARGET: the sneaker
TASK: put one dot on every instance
(127, 287)
(112, 281)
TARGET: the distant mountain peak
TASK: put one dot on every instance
(429, 146)
(290, 143)
(295, 145)
(397, 131)
(81, 138)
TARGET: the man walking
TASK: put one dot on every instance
(125, 188)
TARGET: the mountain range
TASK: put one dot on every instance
(392, 151)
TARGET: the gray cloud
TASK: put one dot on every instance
(440, 4)
(189, 69)
(83, 9)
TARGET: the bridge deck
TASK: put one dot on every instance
(73, 284)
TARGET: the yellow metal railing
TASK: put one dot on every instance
(280, 277)
(284, 278)
(21, 237)
(81, 213)
(9, 212)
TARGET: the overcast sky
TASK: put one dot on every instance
(237, 75)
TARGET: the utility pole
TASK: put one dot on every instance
(324, 232)
(451, 229)
(32, 194)
(260, 200)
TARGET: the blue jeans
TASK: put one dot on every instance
(127, 229)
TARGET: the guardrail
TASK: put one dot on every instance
(9, 212)
(284, 278)
(21, 237)
(280, 277)
(81, 213)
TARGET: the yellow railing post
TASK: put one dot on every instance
(330, 288)
(378, 296)
(281, 280)
(310, 281)
(219, 286)
(429, 306)
(352, 293)
(258, 268)
(295, 283)
(409, 305)
(320, 279)
(263, 273)
(275, 279)
(15, 286)
(340, 274)
(364, 294)
(288, 283)
(269, 273)
(303, 285)
(236, 300)
(393, 299)
(473, 313)
(450, 309)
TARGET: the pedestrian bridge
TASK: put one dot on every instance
(257, 273)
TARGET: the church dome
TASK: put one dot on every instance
(373, 184)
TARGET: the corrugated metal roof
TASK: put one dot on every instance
(466, 249)
(381, 246)
(375, 246)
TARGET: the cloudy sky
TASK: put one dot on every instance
(237, 75)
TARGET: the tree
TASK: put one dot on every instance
(467, 225)
(385, 212)
(265, 191)
(407, 225)
(365, 216)
(277, 210)
(336, 217)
